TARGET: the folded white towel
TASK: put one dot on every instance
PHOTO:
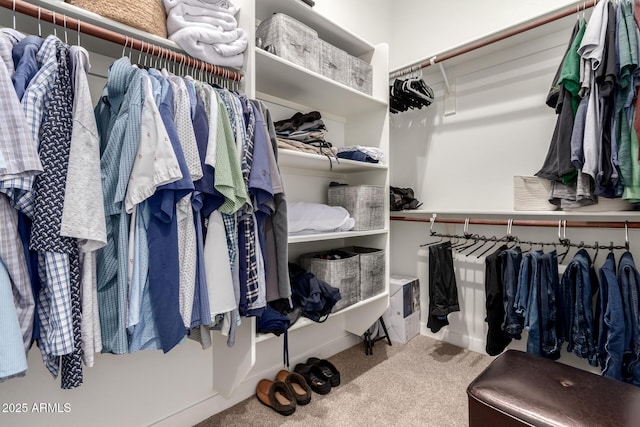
(223, 48)
(186, 15)
(307, 217)
(218, 5)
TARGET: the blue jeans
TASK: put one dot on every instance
(511, 260)
(528, 299)
(549, 288)
(578, 308)
(629, 280)
(612, 322)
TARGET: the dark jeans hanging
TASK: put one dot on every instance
(443, 293)
(497, 338)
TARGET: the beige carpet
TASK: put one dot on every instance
(421, 383)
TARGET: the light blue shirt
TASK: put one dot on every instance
(13, 360)
(120, 111)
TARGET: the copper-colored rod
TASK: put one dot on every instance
(494, 38)
(111, 36)
(523, 222)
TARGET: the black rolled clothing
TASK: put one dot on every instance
(443, 292)
(497, 338)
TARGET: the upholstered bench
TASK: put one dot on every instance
(518, 389)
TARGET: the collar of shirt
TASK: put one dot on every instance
(47, 51)
(24, 58)
(8, 39)
(121, 74)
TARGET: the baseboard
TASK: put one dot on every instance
(207, 407)
(455, 338)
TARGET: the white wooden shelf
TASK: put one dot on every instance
(528, 214)
(334, 236)
(304, 322)
(286, 80)
(327, 30)
(315, 162)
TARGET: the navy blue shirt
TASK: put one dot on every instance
(162, 235)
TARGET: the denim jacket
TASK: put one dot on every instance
(629, 280)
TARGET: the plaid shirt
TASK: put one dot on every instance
(20, 160)
(121, 139)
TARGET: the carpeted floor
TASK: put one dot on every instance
(421, 383)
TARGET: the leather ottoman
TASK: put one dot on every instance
(519, 389)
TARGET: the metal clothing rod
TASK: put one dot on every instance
(522, 222)
(492, 39)
(73, 24)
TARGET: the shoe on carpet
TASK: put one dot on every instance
(297, 385)
(277, 396)
(314, 377)
(328, 369)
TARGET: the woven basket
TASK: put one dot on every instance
(365, 204)
(531, 193)
(343, 274)
(145, 15)
(371, 270)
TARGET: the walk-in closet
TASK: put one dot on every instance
(318, 212)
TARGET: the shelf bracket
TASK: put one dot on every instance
(450, 90)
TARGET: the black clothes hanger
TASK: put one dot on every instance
(410, 93)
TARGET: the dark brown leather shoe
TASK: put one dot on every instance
(277, 396)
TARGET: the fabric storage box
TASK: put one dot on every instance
(334, 63)
(145, 15)
(371, 270)
(343, 273)
(531, 193)
(360, 75)
(291, 40)
(365, 204)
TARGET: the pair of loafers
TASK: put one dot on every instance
(289, 390)
(320, 374)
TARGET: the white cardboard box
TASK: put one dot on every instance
(404, 309)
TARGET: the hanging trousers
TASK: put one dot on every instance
(443, 293)
(497, 338)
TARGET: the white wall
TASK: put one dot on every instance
(423, 28)
(369, 19)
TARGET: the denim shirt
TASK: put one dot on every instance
(26, 65)
(577, 305)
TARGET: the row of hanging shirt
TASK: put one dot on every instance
(595, 313)
(594, 148)
(159, 214)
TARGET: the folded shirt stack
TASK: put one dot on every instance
(361, 153)
(207, 30)
(308, 129)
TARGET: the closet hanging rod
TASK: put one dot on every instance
(73, 24)
(492, 39)
(522, 222)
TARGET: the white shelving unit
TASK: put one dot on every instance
(363, 120)
(359, 119)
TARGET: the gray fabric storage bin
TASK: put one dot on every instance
(360, 75)
(343, 274)
(291, 40)
(365, 204)
(372, 268)
(334, 63)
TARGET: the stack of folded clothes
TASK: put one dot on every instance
(361, 153)
(207, 30)
(304, 132)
